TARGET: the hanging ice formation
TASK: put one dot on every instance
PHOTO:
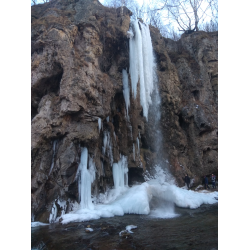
(120, 172)
(86, 177)
(53, 157)
(99, 124)
(53, 214)
(142, 63)
(131, 131)
(138, 145)
(107, 145)
(126, 89)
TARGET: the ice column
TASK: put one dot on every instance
(138, 145)
(120, 172)
(53, 157)
(142, 63)
(107, 145)
(99, 123)
(125, 89)
(86, 177)
(53, 214)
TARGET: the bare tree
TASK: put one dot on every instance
(187, 14)
(209, 26)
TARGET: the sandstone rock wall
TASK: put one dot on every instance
(79, 49)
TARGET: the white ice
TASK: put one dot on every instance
(138, 146)
(155, 198)
(120, 173)
(99, 124)
(86, 177)
(126, 90)
(129, 227)
(107, 145)
(53, 214)
(142, 63)
(122, 232)
(38, 223)
(53, 157)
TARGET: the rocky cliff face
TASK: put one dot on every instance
(79, 49)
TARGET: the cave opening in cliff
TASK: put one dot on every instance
(196, 94)
(118, 103)
(135, 175)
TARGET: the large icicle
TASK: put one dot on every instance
(126, 89)
(120, 172)
(133, 61)
(99, 124)
(142, 63)
(87, 176)
(53, 157)
(53, 214)
(107, 145)
(138, 145)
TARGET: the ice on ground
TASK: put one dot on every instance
(197, 188)
(123, 232)
(137, 200)
(89, 229)
(162, 213)
(129, 227)
(38, 223)
(155, 197)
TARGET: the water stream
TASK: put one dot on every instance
(194, 229)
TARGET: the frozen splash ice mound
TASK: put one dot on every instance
(154, 197)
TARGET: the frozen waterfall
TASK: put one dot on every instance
(158, 195)
(126, 89)
(86, 177)
(142, 63)
(120, 172)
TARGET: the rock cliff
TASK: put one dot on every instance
(78, 51)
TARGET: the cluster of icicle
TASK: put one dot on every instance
(120, 172)
(142, 65)
(107, 146)
(85, 178)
